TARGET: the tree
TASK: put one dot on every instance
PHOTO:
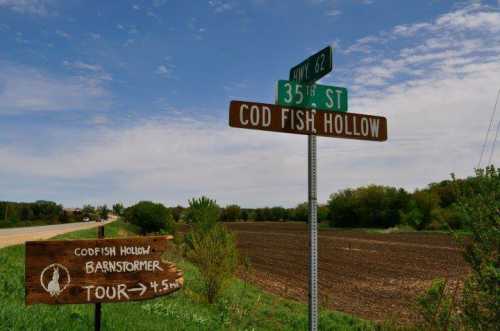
(244, 215)
(64, 217)
(480, 206)
(150, 217)
(342, 207)
(427, 203)
(118, 209)
(203, 212)
(301, 212)
(323, 213)
(89, 211)
(177, 212)
(277, 214)
(103, 212)
(231, 213)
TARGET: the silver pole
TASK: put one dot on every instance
(313, 235)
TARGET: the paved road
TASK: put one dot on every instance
(14, 236)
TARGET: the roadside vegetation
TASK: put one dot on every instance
(41, 212)
(476, 306)
(239, 305)
(434, 208)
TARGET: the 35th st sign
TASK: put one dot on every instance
(268, 117)
(102, 270)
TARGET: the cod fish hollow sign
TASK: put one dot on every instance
(261, 116)
(100, 270)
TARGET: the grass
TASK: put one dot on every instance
(242, 307)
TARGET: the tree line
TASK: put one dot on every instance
(372, 206)
(49, 212)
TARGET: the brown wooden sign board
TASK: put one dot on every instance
(268, 117)
(100, 270)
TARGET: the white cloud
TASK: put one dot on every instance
(95, 36)
(432, 49)
(26, 89)
(82, 65)
(63, 34)
(436, 89)
(163, 70)
(91, 71)
(221, 6)
(333, 12)
(33, 7)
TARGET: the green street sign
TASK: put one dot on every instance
(321, 97)
(314, 67)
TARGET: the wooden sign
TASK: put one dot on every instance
(100, 270)
(268, 117)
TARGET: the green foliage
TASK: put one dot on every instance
(203, 212)
(27, 213)
(90, 212)
(370, 206)
(177, 212)
(103, 212)
(426, 203)
(437, 308)
(243, 307)
(150, 217)
(118, 209)
(231, 213)
(301, 212)
(480, 206)
(323, 213)
(214, 253)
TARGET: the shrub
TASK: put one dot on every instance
(301, 212)
(479, 210)
(480, 207)
(150, 217)
(437, 308)
(231, 213)
(103, 212)
(214, 253)
(118, 209)
(202, 212)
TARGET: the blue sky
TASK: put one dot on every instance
(104, 101)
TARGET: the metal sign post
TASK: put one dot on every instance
(313, 234)
(97, 310)
(303, 107)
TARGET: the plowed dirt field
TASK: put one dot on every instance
(374, 276)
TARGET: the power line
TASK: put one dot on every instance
(488, 131)
(494, 141)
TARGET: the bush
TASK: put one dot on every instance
(150, 217)
(118, 209)
(214, 253)
(437, 308)
(103, 212)
(231, 213)
(480, 207)
(479, 211)
(203, 212)
(301, 212)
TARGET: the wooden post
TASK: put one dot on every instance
(97, 312)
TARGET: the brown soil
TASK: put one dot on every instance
(374, 276)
